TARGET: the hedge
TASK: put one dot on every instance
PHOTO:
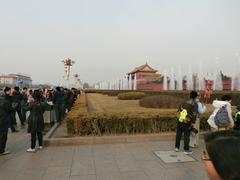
(181, 94)
(79, 108)
(161, 101)
(131, 95)
(126, 123)
(80, 122)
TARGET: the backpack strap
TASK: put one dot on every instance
(183, 115)
(236, 116)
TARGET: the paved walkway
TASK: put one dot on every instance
(95, 162)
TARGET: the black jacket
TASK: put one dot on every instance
(17, 98)
(5, 112)
(35, 119)
(24, 99)
(58, 97)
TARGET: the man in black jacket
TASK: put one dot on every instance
(5, 118)
(24, 101)
(58, 101)
(17, 98)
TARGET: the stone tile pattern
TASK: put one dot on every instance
(135, 161)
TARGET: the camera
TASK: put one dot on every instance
(194, 130)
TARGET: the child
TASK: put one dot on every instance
(237, 119)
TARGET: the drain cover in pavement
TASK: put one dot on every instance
(173, 157)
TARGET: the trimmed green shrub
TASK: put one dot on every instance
(99, 124)
(131, 95)
(161, 101)
(80, 107)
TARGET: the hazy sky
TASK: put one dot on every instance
(108, 38)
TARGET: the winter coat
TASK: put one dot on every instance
(217, 105)
(24, 99)
(58, 97)
(5, 112)
(17, 98)
(35, 119)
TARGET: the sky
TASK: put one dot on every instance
(108, 38)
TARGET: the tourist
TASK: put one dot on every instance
(24, 102)
(58, 101)
(17, 97)
(222, 163)
(30, 98)
(186, 123)
(49, 95)
(237, 119)
(35, 120)
(221, 118)
(13, 123)
(194, 137)
(5, 118)
(67, 95)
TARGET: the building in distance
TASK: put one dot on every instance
(147, 78)
(12, 80)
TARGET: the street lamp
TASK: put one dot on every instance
(78, 81)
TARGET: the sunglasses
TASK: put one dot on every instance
(205, 156)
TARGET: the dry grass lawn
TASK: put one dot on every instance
(104, 103)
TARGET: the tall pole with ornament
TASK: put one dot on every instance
(68, 63)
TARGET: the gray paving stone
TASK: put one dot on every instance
(87, 177)
(153, 169)
(57, 173)
(36, 174)
(127, 164)
(107, 168)
(135, 175)
(83, 168)
(110, 176)
(96, 162)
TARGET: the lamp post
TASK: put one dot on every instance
(67, 68)
(78, 81)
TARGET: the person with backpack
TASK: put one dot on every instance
(186, 123)
(221, 119)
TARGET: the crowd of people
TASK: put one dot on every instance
(222, 151)
(18, 101)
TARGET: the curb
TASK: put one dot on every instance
(114, 139)
(50, 133)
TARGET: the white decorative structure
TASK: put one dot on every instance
(130, 82)
(135, 82)
(190, 78)
(165, 81)
(172, 80)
